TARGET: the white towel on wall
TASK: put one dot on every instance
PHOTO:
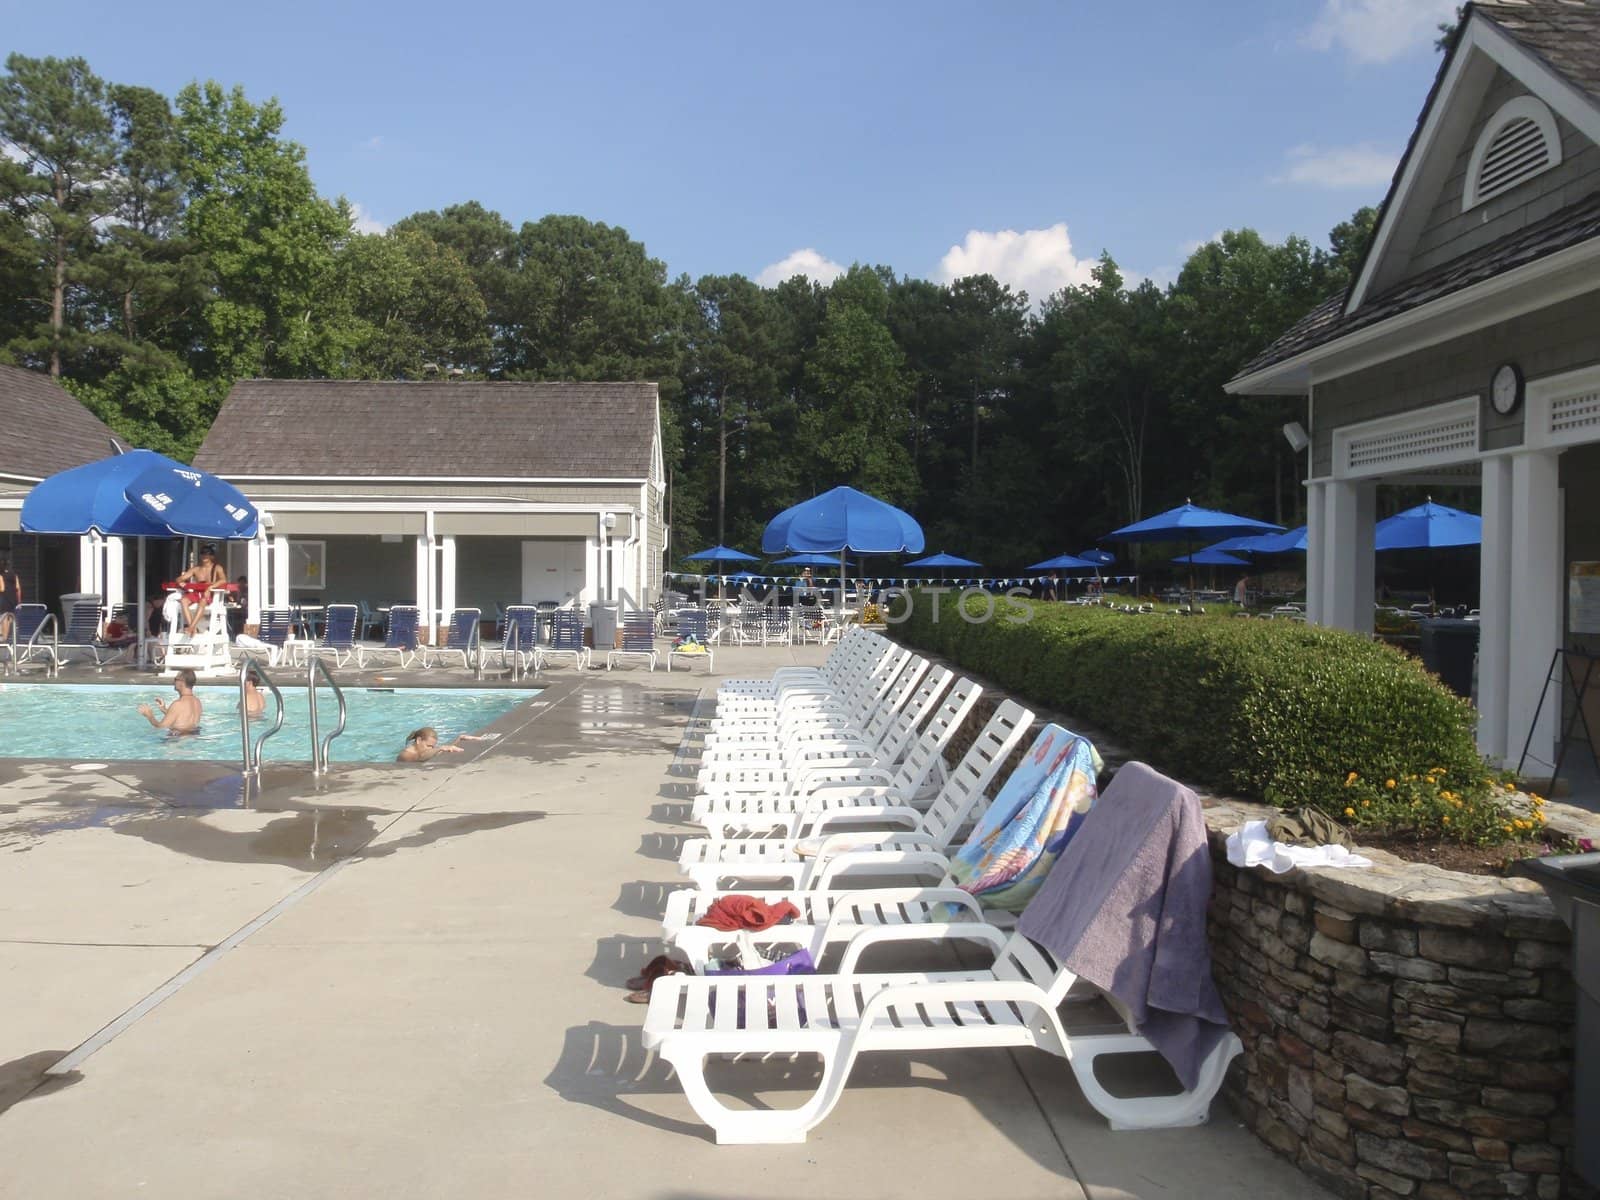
(1251, 847)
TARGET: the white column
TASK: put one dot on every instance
(447, 573)
(1494, 606)
(424, 557)
(1316, 547)
(1535, 627)
(89, 566)
(257, 565)
(1347, 560)
(280, 571)
(115, 591)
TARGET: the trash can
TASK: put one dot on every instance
(1448, 648)
(604, 620)
(1572, 882)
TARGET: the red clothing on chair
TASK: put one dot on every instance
(731, 913)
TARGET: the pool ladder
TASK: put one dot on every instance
(250, 754)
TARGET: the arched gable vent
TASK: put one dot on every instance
(1519, 142)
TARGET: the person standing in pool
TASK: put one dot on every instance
(255, 700)
(183, 714)
(423, 744)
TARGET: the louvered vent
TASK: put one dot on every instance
(1519, 143)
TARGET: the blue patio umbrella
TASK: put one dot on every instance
(1211, 557)
(1428, 526)
(943, 562)
(1065, 562)
(139, 494)
(1191, 525)
(843, 520)
(721, 554)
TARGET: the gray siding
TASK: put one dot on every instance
(365, 570)
(1449, 233)
(488, 572)
(1560, 338)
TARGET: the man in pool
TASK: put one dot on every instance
(423, 744)
(183, 714)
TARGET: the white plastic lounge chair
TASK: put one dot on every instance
(638, 640)
(858, 684)
(825, 918)
(836, 843)
(566, 641)
(826, 671)
(1013, 1003)
(460, 638)
(794, 797)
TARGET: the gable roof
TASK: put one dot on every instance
(1556, 40)
(45, 428)
(1328, 321)
(1553, 46)
(299, 429)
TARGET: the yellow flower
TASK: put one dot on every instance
(1389, 783)
(1446, 820)
(1535, 797)
(1507, 828)
(1538, 801)
(1365, 803)
(1349, 812)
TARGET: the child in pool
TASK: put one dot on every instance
(423, 744)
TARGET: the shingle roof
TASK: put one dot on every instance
(1564, 33)
(309, 428)
(43, 428)
(1571, 225)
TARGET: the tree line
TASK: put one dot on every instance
(155, 250)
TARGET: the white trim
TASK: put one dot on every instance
(538, 479)
(360, 504)
(1431, 323)
(1518, 108)
(1479, 35)
(1434, 436)
(1542, 396)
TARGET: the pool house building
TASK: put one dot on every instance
(446, 495)
(1467, 352)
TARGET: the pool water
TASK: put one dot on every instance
(100, 722)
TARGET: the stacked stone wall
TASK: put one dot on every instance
(1407, 1031)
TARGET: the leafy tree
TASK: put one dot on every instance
(55, 183)
(415, 306)
(267, 238)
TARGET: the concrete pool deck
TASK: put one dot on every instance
(437, 1008)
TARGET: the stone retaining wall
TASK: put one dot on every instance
(1407, 1030)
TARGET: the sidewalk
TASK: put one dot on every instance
(436, 1008)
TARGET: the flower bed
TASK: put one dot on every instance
(1268, 710)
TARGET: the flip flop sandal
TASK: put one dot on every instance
(638, 996)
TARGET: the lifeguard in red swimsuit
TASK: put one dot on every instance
(198, 582)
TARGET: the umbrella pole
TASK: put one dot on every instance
(142, 605)
(841, 583)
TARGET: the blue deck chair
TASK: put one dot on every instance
(638, 639)
(399, 639)
(83, 633)
(339, 633)
(519, 634)
(461, 638)
(32, 638)
(274, 631)
(694, 629)
(566, 639)
(776, 629)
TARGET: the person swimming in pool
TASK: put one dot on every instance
(183, 714)
(255, 700)
(423, 744)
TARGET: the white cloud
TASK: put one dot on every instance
(1037, 261)
(807, 262)
(1378, 31)
(364, 222)
(1360, 166)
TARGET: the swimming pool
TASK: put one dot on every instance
(89, 722)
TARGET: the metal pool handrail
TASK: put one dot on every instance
(319, 752)
(251, 756)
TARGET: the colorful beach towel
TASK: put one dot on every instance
(1030, 822)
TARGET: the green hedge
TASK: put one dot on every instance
(1269, 710)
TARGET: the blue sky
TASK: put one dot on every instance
(938, 138)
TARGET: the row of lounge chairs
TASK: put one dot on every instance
(809, 780)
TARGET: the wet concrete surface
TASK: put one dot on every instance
(433, 1004)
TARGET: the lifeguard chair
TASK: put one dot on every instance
(206, 652)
